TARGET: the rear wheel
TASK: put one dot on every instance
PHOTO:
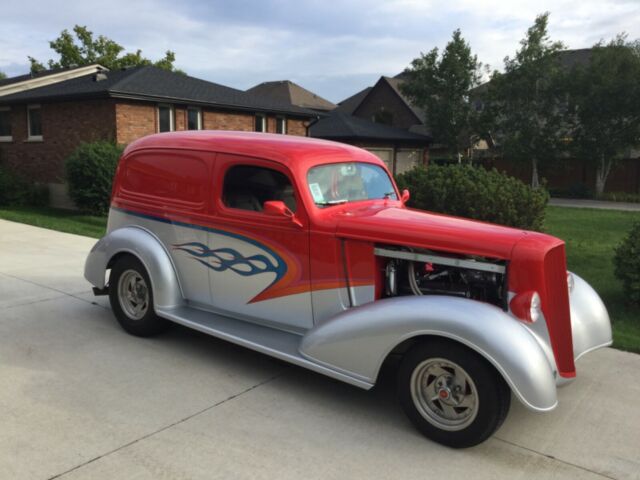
(131, 298)
(452, 394)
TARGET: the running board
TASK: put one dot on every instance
(270, 341)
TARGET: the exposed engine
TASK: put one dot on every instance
(410, 272)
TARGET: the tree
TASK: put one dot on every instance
(605, 102)
(84, 49)
(526, 105)
(440, 85)
(2, 75)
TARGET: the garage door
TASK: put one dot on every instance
(384, 154)
(406, 159)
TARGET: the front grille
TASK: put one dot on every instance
(555, 305)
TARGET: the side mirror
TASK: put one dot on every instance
(277, 208)
(405, 196)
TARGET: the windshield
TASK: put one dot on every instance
(338, 183)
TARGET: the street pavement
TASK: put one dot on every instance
(80, 399)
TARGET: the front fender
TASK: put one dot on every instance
(358, 340)
(590, 324)
(149, 250)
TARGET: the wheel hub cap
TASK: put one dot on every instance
(133, 294)
(444, 394)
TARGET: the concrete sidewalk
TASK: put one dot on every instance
(598, 204)
(80, 399)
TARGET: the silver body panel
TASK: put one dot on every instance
(144, 245)
(350, 344)
(590, 324)
(359, 340)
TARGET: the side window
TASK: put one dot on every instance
(247, 187)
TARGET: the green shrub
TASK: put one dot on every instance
(575, 190)
(620, 197)
(89, 170)
(626, 260)
(476, 193)
(17, 191)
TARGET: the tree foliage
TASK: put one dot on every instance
(82, 48)
(525, 105)
(2, 75)
(605, 104)
(440, 85)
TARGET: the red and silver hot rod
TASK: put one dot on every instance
(304, 250)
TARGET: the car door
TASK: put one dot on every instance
(259, 262)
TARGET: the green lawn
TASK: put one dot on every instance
(591, 236)
(62, 220)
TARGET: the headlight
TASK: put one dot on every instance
(527, 306)
(535, 308)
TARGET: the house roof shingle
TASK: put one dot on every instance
(288, 92)
(153, 84)
(341, 126)
(349, 105)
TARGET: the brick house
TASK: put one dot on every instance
(44, 118)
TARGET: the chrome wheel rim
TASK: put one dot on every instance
(133, 294)
(444, 394)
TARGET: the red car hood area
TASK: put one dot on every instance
(417, 228)
(536, 261)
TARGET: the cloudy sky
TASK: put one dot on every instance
(334, 48)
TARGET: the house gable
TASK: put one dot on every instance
(384, 103)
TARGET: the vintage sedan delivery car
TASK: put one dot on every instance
(304, 250)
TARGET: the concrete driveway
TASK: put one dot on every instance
(81, 399)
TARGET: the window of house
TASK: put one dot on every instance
(165, 118)
(383, 116)
(247, 187)
(34, 122)
(5, 124)
(261, 122)
(194, 118)
(281, 125)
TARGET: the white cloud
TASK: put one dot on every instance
(335, 48)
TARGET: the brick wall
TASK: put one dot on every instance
(67, 124)
(218, 120)
(296, 127)
(64, 126)
(134, 120)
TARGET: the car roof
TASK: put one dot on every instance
(293, 151)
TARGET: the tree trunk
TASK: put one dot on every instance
(602, 173)
(535, 180)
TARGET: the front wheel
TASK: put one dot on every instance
(452, 394)
(131, 298)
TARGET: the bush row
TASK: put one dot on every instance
(15, 190)
(477, 193)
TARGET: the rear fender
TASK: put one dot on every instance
(149, 250)
(358, 340)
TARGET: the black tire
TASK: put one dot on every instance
(481, 381)
(148, 324)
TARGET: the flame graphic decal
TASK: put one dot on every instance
(222, 259)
